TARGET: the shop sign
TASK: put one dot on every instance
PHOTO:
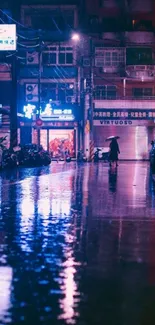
(61, 124)
(8, 37)
(87, 127)
(39, 122)
(116, 114)
(116, 122)
(56, 114)
(57, 124)
(124, 123)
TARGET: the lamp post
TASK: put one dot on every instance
(88, 104)
(90, 117)
(13, 110)
(39, 86)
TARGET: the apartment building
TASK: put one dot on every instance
(47, 73)
(123, 73)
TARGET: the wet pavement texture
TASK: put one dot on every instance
(77, 245)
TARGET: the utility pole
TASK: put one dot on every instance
(14, 101)
(91, 146)
(88, 108)
(39, 87)
(15, 9)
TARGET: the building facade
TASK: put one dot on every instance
(101, 85)
(123, 73)
(48, 77)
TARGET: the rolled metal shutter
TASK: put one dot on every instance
(133, 140)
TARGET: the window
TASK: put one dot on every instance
(49, 58)
(58, 55)
(101, 3)
(113, 24)
(107, 3)
(138, 56)
(52, 19)
(109, 57)
(142, 25)
(48, 91)
(142, 92)
(105, 92)
(57, 92)
(65, 56)
(65, 91)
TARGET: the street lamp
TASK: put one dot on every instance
(88, 112)
(75, 37)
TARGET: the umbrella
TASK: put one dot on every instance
(112, 137)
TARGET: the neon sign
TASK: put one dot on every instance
(29, 110)
(57, 114)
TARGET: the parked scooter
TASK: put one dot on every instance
(152, 157)
(33, 156)
(81, 157)
(68, 159)
(9, 159)
(96, 155)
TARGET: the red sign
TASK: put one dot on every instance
(39, 122)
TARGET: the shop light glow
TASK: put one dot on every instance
(29, 110)
(58, 111)
(67, 112)
(49, 111)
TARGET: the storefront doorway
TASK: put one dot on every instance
(134, 141)
(57, 141)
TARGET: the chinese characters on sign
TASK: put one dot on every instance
(58, 124)
(100, 114)
(8, 37)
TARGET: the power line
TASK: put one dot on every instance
(28, 46)
(27, 38)
(15, 21)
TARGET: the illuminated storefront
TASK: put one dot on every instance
(58, 130)
(57, 138)
(135, 127)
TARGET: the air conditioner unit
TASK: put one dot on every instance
(56, 102)
(32, 58)
(86, 62)
(70, 99)
(110, 69)
(31, 92)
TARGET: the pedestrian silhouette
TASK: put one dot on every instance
(114, 151)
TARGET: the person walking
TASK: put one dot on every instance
(114, 151)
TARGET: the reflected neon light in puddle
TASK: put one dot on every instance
(69, 287)
(44, 207)
(60, 207)
(6, 275)
(27, 215)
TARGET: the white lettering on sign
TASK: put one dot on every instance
(116, 122)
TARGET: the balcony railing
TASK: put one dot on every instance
(125, 98)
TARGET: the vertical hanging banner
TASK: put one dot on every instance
(8, 38)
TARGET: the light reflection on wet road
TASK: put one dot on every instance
(77, 245)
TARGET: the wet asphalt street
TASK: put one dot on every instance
(77, 245)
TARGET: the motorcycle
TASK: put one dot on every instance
(33, 156)
(152, 157)
(96, 155)
(81, 157)
(9, 159)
